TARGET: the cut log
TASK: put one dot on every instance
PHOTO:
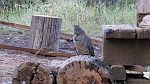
(45, 33)
(81, 69)
(84, 70)
(32, 73)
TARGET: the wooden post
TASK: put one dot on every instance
(143, 8)
(45, 33)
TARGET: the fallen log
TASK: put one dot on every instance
(38, 52)
(63, 35)
(81, 69)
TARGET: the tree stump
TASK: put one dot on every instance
(84, 70)
(45, 33)
(32, 73)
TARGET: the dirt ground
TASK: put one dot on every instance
(9, 59)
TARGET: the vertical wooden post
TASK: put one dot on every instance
(143, 9)
(45, 33)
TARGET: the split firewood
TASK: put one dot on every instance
(32, 73)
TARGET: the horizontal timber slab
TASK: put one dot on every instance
(126, 51)
(125, 32)
(36, 52)
(119, 31)
(138, 81)
(143, 33)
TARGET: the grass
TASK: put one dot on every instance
(74, 12)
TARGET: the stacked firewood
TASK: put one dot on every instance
(81, 69)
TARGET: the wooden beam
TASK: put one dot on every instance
(38, 52)
(63, 35)
(137, 68)
(137, 81)
(15, 25)
(135, 75)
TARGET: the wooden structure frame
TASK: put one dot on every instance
(125, 46)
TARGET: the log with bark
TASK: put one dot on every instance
(84, 69)
(81, 69)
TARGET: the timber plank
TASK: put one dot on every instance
(137, 81)
(38, 52)
(32, 73)
(126, 51)
(12, 24)
(119, 31)
(137, 68)
(143, 33)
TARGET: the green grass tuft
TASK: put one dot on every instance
(74, 12)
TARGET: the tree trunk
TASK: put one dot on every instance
(45, 33)
(83, 70)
